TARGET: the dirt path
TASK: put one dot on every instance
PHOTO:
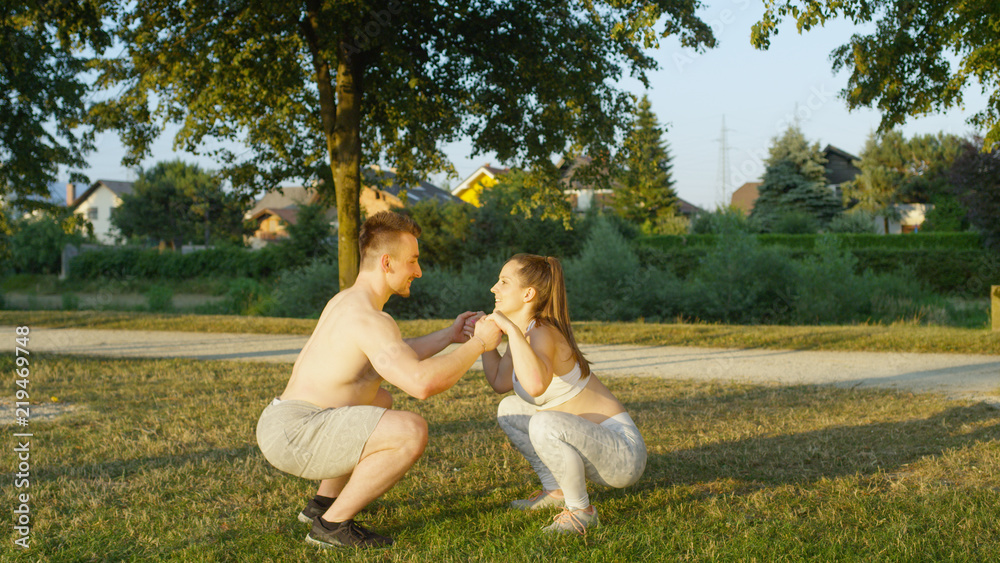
(964, 376)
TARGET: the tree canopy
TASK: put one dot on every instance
(920, 58)
(44, 94)
(975, 176)
(308, 84)
(174, 202)
(899, 170)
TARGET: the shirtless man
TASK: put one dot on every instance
(334, 422)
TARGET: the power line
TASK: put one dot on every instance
(723, 175)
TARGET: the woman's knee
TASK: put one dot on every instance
(513, 415)
(512, 406)
(547, 426)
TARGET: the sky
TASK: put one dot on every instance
(758, 94)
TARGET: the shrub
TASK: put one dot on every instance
(443, 294)
(37, 242)
(741, 281)
(303, 292)
(854, 221)
(830, 288)
(795, 223)
(723, 220)
(160, 299)
(245, 296)
(70, 301)
(605, 282)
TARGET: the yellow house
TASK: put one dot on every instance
(482, 179)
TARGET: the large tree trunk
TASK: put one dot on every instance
(340, 112)
(345, 159)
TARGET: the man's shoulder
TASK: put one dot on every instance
(355, 310)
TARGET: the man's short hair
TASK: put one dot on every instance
(381, 231)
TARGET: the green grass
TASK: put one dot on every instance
(159, 462)
(899, 337)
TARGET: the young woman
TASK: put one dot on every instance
(564, 421)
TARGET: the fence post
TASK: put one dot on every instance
(995, 306)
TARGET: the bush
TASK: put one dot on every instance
(946, 271)
(795, 223)
(160, 299)
(246, 297)
(37, 243)
(854, 221)
(70, 301)
(303, 292)
(742, 281)
(444, 294)
(723, 220)
(605, 282)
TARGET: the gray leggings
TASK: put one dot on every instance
(565, 449)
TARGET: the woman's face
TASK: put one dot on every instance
(508, 291)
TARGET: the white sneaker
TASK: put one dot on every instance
(538, 499)
(574, 521)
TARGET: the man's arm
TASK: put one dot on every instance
(430, 344)
(398, 363)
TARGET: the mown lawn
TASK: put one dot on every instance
(900, 337)
(156, 460)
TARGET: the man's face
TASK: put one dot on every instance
(403, 265)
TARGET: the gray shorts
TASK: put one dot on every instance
(305, 440)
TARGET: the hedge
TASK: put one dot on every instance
(964, 272)
(957, 241)
(143, 263)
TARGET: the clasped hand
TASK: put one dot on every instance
(482, 326)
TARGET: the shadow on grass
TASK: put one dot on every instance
(119, 469)
(829, 453)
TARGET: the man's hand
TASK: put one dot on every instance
(461, 329)
(470, 323)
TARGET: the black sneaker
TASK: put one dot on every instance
(311, 511)
(346, 534)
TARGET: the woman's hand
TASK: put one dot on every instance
(506, 325)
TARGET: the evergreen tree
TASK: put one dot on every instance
(794, 183)
(644, 190)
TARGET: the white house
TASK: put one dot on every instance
(911, 216)
(96, 204)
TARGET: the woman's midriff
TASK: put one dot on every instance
(595, 403)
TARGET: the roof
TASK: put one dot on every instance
(287, 214)
(118, 187)
(687, 208)
(384, 179)
(830, 149)
(282, 198)
(486, 169)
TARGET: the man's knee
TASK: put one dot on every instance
(409, 431)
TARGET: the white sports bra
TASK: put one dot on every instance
(561, 389)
